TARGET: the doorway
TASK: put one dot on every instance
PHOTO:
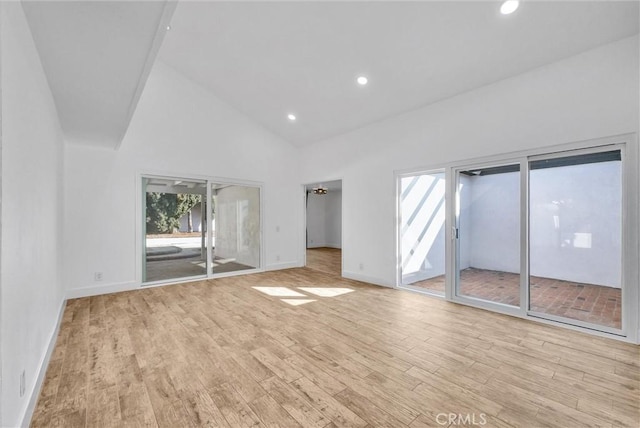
(323, 226)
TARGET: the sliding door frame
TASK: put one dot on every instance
(623, 239)
(455, 238)
(141, 226)
(630, 274)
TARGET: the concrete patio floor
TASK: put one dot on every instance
(180, 257)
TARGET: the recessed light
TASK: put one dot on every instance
(291, 117)
(168, 27)
(362, 80)
(509, 7)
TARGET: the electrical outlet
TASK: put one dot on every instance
(97, 276)
(278, 257)
(23, 385)
(361, 266)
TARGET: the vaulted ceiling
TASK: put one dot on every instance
(271, 59)
(97, 56)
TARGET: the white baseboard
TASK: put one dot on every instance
(324, 245)
(42, 370)
(367, 279)
(280, 266)
(316, 245)
(97, 290)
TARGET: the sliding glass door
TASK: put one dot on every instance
(575, 238)
(199, 228)
(174, 231)
(550, 235)
(488, 233)
(235, 228)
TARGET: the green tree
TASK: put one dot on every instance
(164, 210)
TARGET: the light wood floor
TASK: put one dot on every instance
(311, 349)
(328, 260)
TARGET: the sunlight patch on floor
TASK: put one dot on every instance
(326, 291)
(279, 292)
(297, 302)
(292, 297)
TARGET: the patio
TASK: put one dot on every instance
(584, 302)
(180, 256)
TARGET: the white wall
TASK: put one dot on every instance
(324, 220)
(333, 230)
(591, 95)
(237, 224)
(586, 244)
(32, 293)
(179, 128)
(316, 220)
(493, 231)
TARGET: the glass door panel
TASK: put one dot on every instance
(236, 228)
(488, 231)
(575, 238)
(422, 233)
(175, 236)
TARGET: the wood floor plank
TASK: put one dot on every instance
(373, 364)
(368, 411)
(222, 353)
(603, 409)
(280, 367)
(103, 407)
(347, 363)
(271, 413)
(340, 415)
(588, 389)
(203, 411)
(321, 378)
(135, 405)
(233, 407)
(76, 418)
(453, 391)
(72, 392)
(45, 412)
(550, 410)
(299, 408)
(248, 388)
(249, 364)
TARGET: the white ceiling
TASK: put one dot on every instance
(270, 58)
(97, 56)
